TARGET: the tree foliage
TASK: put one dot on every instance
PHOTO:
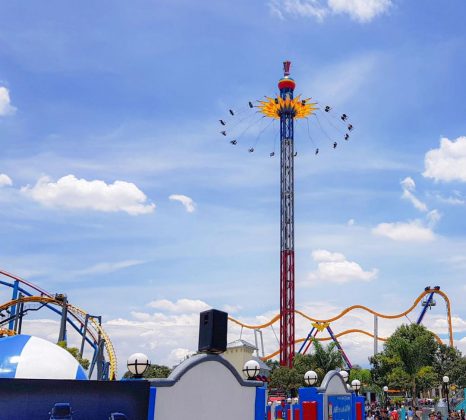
(321, 360)
(364, 375)
(74, 351)
(449, 361)
(286, 379)
(407, 361)
(153, 371)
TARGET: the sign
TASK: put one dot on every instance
(339, 407)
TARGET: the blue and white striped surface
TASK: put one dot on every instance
(25, 356)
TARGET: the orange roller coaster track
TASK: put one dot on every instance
(426, 292)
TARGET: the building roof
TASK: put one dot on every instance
(241, 343)
(262, 364)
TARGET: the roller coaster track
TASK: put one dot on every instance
(80, 314)
(92, 327)
(352, 308)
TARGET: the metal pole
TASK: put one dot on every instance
(64, 316)
(20, 324)
(262, 344)
(84, 332)
(14, 296)
(448, 400)
(19, 314)
(287, 271)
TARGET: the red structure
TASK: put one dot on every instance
(287, 272)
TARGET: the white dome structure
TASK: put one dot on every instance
(25, 356)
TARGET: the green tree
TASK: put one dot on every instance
(322, 359)
(364, 375)
(153, 371)
(272, 364)
(404, 362)
(75, 353)
(286, 379)
(449, 361)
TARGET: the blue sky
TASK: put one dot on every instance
(96, 93)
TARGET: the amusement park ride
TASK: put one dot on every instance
(426, 299)
(27, 297)
(287, 109)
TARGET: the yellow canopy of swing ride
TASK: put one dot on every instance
(273, 107)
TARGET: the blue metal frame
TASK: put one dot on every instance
(309, 336)
(424, 309)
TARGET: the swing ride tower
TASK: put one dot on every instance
(287, 271)
(286, 108)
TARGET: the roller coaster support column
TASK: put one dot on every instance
(64, 315)
(287, 272)
(83, 334)
(14, 296)
(19, 316)
(98, 358)
(343, 354)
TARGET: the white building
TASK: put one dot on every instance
(239, 352)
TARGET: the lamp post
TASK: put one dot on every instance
(137, 364)
(385, 393)
(356, 385)
(344, 375)
(445, 380)
(310, 378)
(251, 369)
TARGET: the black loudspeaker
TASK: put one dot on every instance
(213, 325)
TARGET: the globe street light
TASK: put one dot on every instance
(445, 380)
(385, 393)
(137, 364)
(344, 375)
(310, 378)
(356, 385)
(251, 369)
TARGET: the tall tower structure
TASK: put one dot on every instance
(287, 271)
(286, 108)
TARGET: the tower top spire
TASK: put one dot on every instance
(286, 68)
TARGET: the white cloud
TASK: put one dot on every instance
(303, 8)
(339, 82)
(359, 10)
(179, 354)
(72, 193)
(5, 180)
(187, 202)
(448, 162)
(106, 267)
(335, 268)
(5, 103)
(455, 200)
(439, 324)
(181, 305)
(409, 187)
(432, 218)
(413, 231)
(351, 222)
